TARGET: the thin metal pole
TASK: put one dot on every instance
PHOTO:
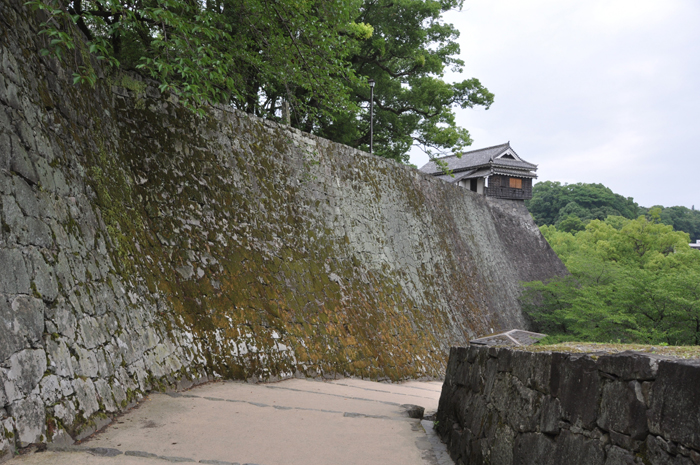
(371, 120)
(371, 116)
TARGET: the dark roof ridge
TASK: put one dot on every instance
(507, 144)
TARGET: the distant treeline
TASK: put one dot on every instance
(570, 207)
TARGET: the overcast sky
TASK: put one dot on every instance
(604, 91)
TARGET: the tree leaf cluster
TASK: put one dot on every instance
(571, 206)
(631, 281)
(553, 202)
(407, 56)
(681, 218)
(311, 57)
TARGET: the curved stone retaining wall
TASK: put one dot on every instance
(504, 406)
(143, 247)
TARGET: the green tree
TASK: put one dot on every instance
(631, 281)
(552, 202)
(681, 218)
(250, 53)
(407, 55)
(262, 56)
(571, 223)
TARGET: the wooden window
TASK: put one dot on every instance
(516, 183)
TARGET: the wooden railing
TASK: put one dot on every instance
(508, 193)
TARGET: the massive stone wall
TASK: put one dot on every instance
(503, 406)
(144, 247)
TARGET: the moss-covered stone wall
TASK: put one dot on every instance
(144, 247)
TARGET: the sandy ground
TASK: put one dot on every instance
(340, 422)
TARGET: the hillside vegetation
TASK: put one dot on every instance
(634, 278)
(571, 206)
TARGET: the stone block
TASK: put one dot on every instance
(578, 390)
(64, 276)
(119, 395)
(625, 441)
(659, 452)
(65, 411)
(61, 237)
(86, 362)
(91, 332)
(621, 410)
(523, 410)
(3, 397)
(576, 448)
(11, 96)
(502, 446)
(104, 393)
(45, 174)
(15, 276)
(7, 449)
(533, 369)
(472, 352)
(459, 374)
(21, 323)
(21, 163)
(12, 214)
(628, 366)
(86, 395)
(618, 456)
(26, 368)
(51, 390)
(490, 376)
(62, 188)
(5, 145)
(551, 415)
(60, 360)
(61, 314)
(43, 276)
(675, 396)
(30, 420)
(105, 367)
(33, 231)
(534, 449)
(25, 197)
(505, 360)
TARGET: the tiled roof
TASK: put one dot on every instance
(477, 173)
(456, 177)
(477, 159)
(514, 173)
(514, 337)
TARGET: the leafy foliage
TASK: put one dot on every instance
(681, 218)
(264, 56)
(251, 53)
(631, 281)
(406, 57)
(553, 202)
(571, 206)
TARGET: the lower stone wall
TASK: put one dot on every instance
(505, 406)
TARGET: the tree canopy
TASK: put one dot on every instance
(631, 281)
(553, 202)
(261, 55)
(571, 206)
(406, 56)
